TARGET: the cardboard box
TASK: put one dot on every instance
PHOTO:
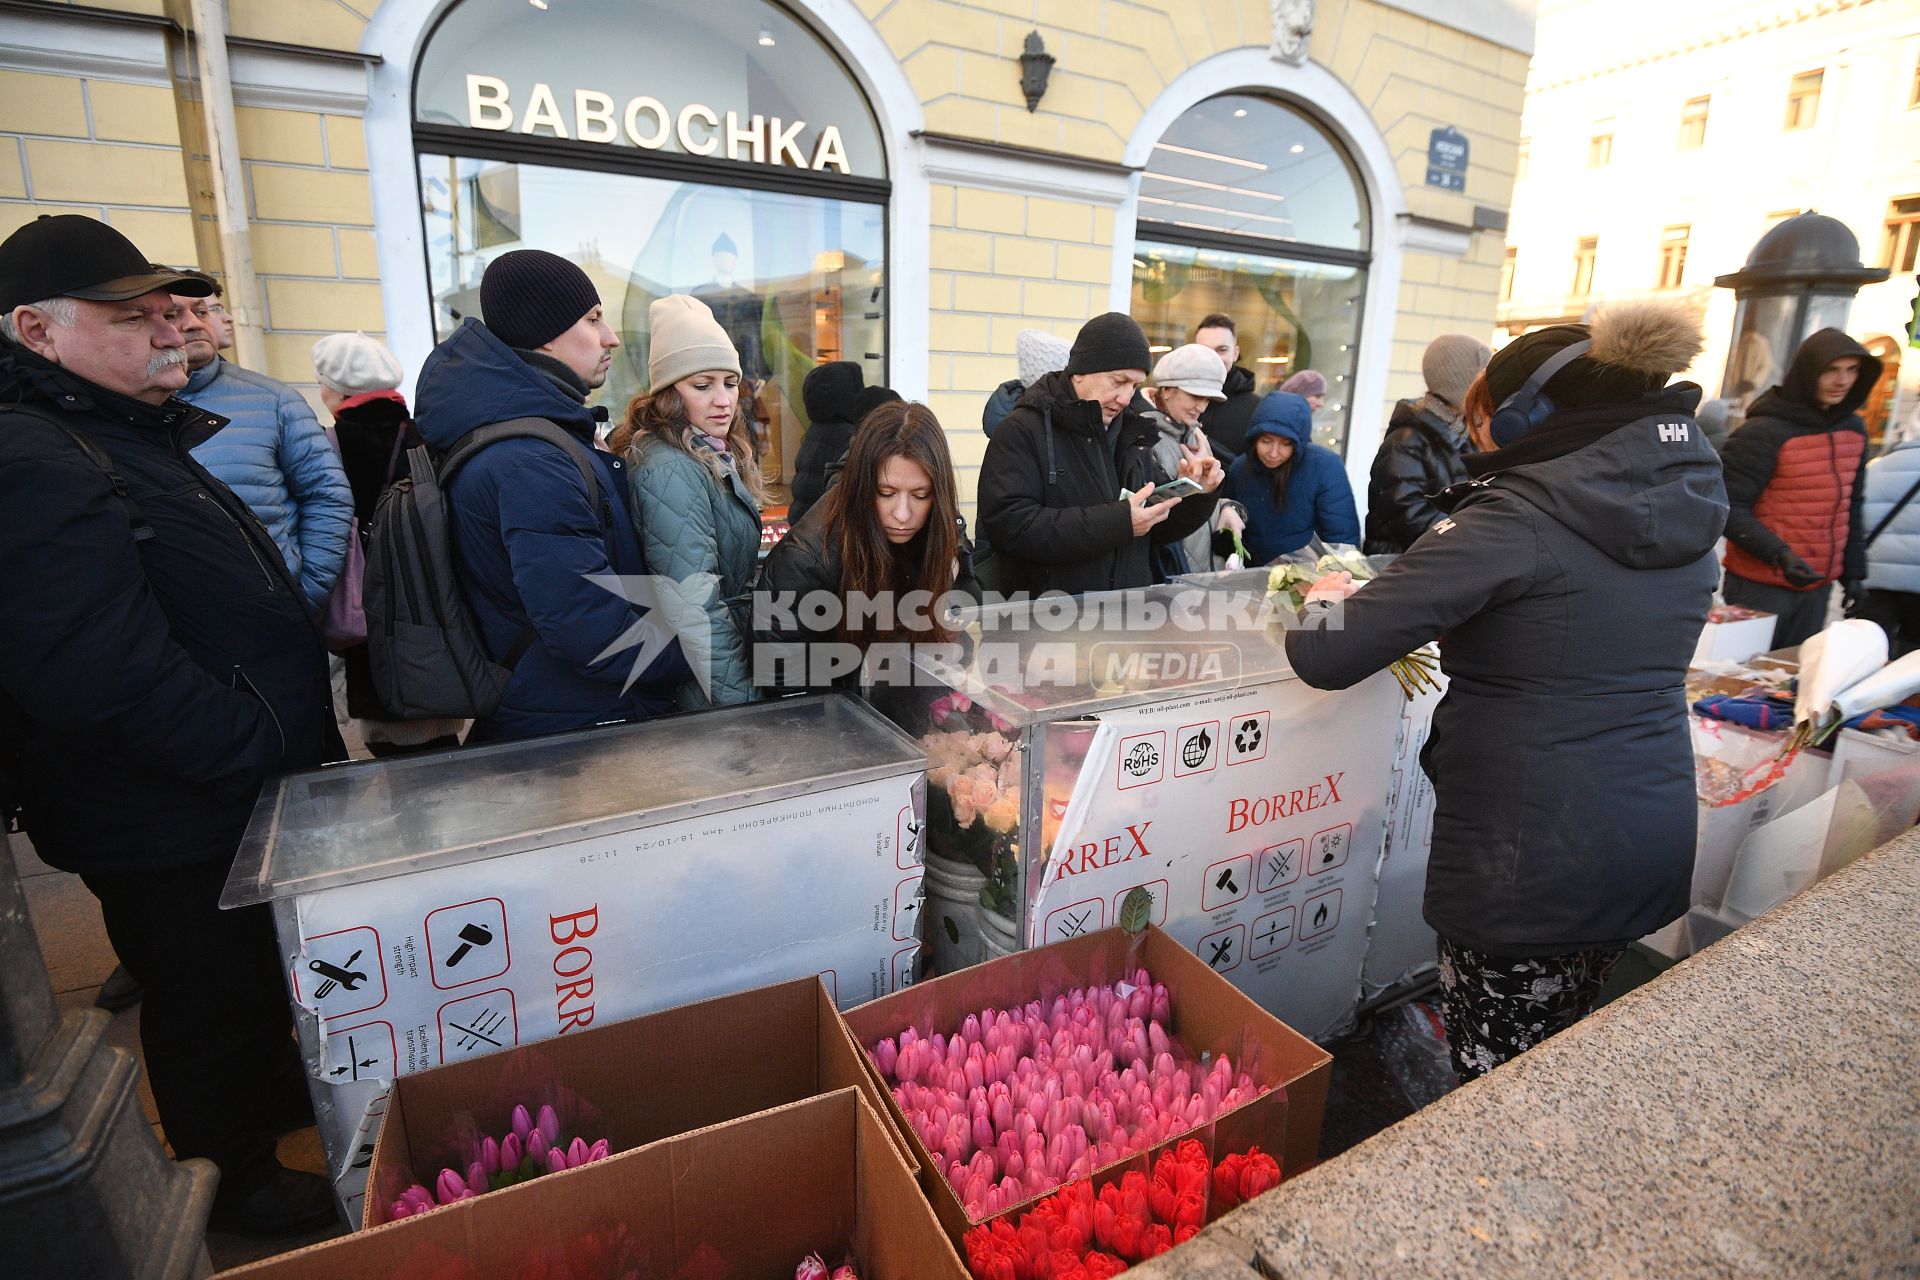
(1209, 1015)
(747, 1199)
(649, 1078)
(1734, 634)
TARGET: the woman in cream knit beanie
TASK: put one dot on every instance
(697, 493)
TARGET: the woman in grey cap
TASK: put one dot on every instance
(1185, 382)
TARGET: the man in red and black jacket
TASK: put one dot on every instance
(1796, 471)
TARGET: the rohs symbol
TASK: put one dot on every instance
(1142, 759)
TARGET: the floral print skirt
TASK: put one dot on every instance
(1498, 1006)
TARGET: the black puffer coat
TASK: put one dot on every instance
(1225, 421)
(830, 393)
(1419, 456)
(148, 684)
(1567, 591)
(1049, 496)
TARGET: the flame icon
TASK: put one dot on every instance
(1320, 916)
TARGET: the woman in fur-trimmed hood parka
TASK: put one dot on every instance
(1567, 587)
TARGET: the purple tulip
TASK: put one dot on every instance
(490, 1155)
(599, 1151)
(549, 1124)
(522, 1124)
(449, 1186)
(477, 1177)
(512, 1151)
(556, 1162)
(577, 1153)
(537, 1147)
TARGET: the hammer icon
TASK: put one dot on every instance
(471, 936)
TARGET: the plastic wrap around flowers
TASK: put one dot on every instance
(1075, 1233)
(1018, 1101)
(973, 795)
(531, 1146)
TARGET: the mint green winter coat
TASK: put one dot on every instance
(700, 533)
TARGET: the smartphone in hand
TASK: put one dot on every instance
(1173, 490)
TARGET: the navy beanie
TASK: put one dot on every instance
(529, 297)
(1109, 342)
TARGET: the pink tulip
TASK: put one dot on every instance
(522, 1124)
(811, 1268)
(399, 1209)
(599, 1151)
(512, 1152)
(577, 1153)
(477, 1176)
(449, 1186)
(885, 1056)
(548, 1123)
(490, 1155)
(556, 1160)
(844, 1273)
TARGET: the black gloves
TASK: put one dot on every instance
(1798, 573)
(1851, 591)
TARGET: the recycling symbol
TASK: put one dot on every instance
(1246, 737)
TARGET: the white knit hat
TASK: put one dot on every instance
(354, 364)
(1193, 369)
(686, 340)
(1039, 353)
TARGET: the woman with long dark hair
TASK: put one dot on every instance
(887, 542)
(697, 493)
(1293, 489)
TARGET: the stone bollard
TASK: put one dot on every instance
(85, 1188)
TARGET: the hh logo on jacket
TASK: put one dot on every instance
(1673, 432)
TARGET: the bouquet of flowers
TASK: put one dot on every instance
(1289, 584)
(1020, 1100)
(530, 1147)
(813, 1267)
(1075, 1233)
(973, 794)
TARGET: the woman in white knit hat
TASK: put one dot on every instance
(373, 429)
(697, 494)
(1186, 382)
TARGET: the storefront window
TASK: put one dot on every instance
(1249, 209)
(710, 147)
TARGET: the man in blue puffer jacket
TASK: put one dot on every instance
(1891, 514)
(541, 568)
(1292, 488)
(274, 455)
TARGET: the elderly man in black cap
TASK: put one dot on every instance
(1067, 487)
(157, 666)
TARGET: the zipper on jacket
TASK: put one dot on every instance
(204, 496)
(240, 680)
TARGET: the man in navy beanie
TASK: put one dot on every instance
(1066, 488)
(541, 526)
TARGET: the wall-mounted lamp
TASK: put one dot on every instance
(1036, 64)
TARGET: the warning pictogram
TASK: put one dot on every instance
(1196, 749)
(1247, 737)
(478, 1024)
(1143, 759)
(1279, 866)
(1271, 933)
(1226, 882)
(1224, 950)
(1330, 848)
(906, 909)
(906, 847)
(365, 1052)
(1319, 914)
(467, 942)
(903, 964)
(1157, 890)
(340, 973)
(1071, 922)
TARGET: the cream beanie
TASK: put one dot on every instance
(354, 364)
(686, 340)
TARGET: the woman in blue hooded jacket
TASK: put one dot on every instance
(1292, 488)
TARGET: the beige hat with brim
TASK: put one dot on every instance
(1193, 369)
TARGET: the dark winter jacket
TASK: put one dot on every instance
(368, 427)
(151, 677)
(273, 453)
(1225, 421)
(1319, 496)
(531, 552)
(807, 560)
(1049, 495)
(1567, 590)
(1000, 404)
(1796, 473)
(831, 418)
(1893, 561)
(703, 533)
(1419, 456)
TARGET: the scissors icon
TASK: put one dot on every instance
(336, 975)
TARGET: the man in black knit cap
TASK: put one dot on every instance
(1066, 487)
(532, 548)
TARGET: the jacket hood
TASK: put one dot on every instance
(1239, 381)
(830, 390)
(1281, 413)
(1800, 388)
(1646, 490)
(474, 379)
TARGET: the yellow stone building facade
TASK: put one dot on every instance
(987, 217)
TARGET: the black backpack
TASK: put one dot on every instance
(423, 644)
